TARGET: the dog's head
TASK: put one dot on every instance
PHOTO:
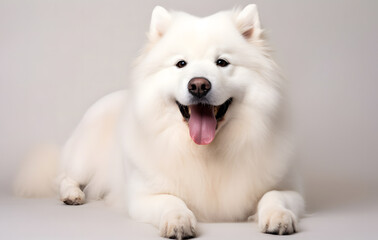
(201, 66)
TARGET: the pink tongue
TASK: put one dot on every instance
(202, 124)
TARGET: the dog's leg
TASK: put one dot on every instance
(278, 212)
(167, 212)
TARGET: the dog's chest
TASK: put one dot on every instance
(216, 188)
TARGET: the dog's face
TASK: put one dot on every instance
(201, 65)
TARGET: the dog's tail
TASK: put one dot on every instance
(37, 174)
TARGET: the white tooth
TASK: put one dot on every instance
(215, 110)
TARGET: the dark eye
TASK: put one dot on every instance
(222, 63)
(181, 64)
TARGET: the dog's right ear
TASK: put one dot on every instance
(160, 22)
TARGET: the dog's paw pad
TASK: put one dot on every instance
(73, 196)
(278, 221)
(178, 224)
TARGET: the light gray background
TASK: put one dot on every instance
(58, 57)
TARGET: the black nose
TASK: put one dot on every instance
(199, 87)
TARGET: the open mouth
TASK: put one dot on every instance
(203, 120)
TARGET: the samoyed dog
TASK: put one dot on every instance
(197, 136)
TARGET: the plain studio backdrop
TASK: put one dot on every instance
(58, 57)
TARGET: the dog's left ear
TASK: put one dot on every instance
(160, 21)
(248, 22)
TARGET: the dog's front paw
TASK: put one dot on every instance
(178, 224)
(279, 221)
(73, 196)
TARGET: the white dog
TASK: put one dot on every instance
(196, 136)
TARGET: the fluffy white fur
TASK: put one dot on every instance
(133, 147)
